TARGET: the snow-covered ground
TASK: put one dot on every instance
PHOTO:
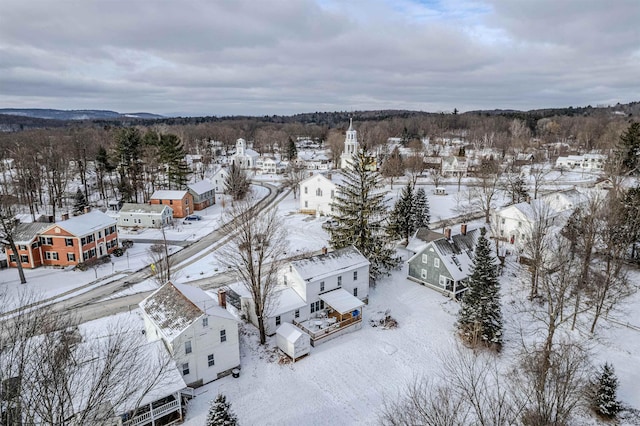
(346, 380)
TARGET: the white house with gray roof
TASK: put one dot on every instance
(323, 295)
(145, 215)
(200, 334)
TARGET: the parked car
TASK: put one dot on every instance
(191, 218)
(331, 223)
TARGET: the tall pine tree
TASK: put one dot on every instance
(220, 413)
(361, 215)
(480, 316)
(421, 214)
(604, 390)
(629, 148)
(402, 220)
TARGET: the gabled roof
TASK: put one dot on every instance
(86, 223)
(324, 265)
(456, 253)
(174, 307)
(168, 195)
(286, 300)
(143, 208)
(530, 212)
(290, 332)
(201, 187)
(24, 233)
(422, 237)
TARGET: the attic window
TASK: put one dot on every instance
(205, 321)
(187, 347)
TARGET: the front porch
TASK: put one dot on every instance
(342, 315)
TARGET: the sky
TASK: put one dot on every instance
(264, 57)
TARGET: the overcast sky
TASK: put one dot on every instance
(257, 57)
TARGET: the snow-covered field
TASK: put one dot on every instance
(346, 380)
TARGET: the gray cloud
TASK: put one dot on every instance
(287, 56)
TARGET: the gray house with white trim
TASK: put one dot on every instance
(443, 262)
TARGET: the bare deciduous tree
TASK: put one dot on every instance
(255, 253)
(61, 374)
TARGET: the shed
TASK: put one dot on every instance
(293, 341)
(439, 190)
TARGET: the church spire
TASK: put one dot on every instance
(350, 124)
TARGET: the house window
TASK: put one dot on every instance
(34, 245)
(321, 285)
(436, 263)
(340, 281)
(171, 202)
(278, 320)
(306, 204)
(424, 258)
(205, 321)
(355, 275)
(24, 258)
(68, 242)
(443, 280)
(71, 257)
(296, 314)
(355, 291)
(187, 347)
(210, 360)
(423, 274)
(223, 336)
(21, 247)
(46, 241)
(185, 369)
(319, 192)
(316, 306)
(12, 258)
(51, 255)
(99, 234)
(306, 190)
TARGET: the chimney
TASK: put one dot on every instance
(87, 209)
(65, 216)
(222, 298)
(324, 250)
(447, 233)
(463, 229)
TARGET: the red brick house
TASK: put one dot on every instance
(180, 201)
(66, 243)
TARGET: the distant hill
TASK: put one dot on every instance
(80, 114)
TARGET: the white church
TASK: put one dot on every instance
(245, 158)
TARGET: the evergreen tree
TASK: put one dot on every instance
(480, 316)
(604, 390)
(421, 214)
(402, 220)
(630, 148)
(129, 152)
(519, 190)
(220, 413)
(80, 201)
(236, 184)
(361, 214)
(292, 151)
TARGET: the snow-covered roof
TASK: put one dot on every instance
(86, 223)
(143, 208)
(341, 300)
(530, 212)
(174, 307)
(24, 233)
(168, 195)
(323, 265)
(286, 300)
(289, 331)
(201, 187)
(421, 238)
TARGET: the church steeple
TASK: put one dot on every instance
(350, 145)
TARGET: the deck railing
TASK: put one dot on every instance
(153, 414)
(330, 329)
